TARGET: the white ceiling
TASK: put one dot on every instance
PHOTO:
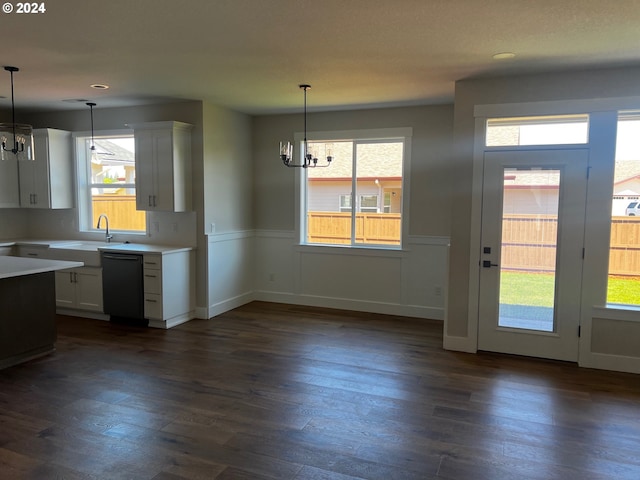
(251, 55)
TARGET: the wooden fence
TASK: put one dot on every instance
(121, 210)
(624, 258)
(529, 243)
(335, 227)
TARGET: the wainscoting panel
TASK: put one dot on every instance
(410, 282)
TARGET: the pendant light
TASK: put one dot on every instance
(95, 158)
(17, 138)
(286, 149)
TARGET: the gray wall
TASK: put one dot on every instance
(431, 173)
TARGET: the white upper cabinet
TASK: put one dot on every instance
(47, 181)
(9, 192)
(163, 166)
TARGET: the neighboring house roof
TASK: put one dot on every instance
(531, 178)
(110, 153)
(626, 169)
(375, 160)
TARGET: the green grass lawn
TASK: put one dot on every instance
(536, 289)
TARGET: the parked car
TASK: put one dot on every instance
(633, 209)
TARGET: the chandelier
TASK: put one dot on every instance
(286, 149)
(17, 138)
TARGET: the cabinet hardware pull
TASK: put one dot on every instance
(151, 301)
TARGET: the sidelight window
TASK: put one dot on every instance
(624, 250)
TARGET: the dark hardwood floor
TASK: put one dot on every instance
(272, 391)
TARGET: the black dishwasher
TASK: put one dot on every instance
(122, 287)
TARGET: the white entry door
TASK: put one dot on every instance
(533, 209)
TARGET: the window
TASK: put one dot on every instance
(106, 183)
(345, 203)
(624, 249)
(547, 130)
(342, 201)
(369, 203)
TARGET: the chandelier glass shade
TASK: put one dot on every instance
(16, 138)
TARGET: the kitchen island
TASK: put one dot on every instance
(27, 307)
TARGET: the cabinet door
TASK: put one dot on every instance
(163, 166)
(34, 176)
(89, 288)
(65, 289)
(145, 181)
(9, 193)
(163, 172)
(47, 181)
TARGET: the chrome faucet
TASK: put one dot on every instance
(107, 235)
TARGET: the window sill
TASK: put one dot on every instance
(373, 251)
(616, 311)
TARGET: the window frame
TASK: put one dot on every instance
(383, 134)
(85, 186)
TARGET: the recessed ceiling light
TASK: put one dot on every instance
(504, 56)
(99, 86)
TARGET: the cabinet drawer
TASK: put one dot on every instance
(152, 261)
(33, 252)
(153, 306)
(152, 281)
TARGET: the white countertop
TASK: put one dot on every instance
(18, 266)
(142, 248)
(97, 246)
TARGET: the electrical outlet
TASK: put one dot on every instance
(437, 291)
(174, 227)
(272, 277)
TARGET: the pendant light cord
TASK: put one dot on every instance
(93, 144)
(13, 116)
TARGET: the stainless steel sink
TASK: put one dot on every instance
(79, 251)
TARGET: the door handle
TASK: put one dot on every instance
(488, 264)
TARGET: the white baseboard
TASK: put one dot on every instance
(459, 344)
(225, 305)
(174, 321)
(414, 311)
(603, 361)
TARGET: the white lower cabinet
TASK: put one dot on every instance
(80, 288)
(167, 288)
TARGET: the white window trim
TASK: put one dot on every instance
(300, 208)
(83, 192)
